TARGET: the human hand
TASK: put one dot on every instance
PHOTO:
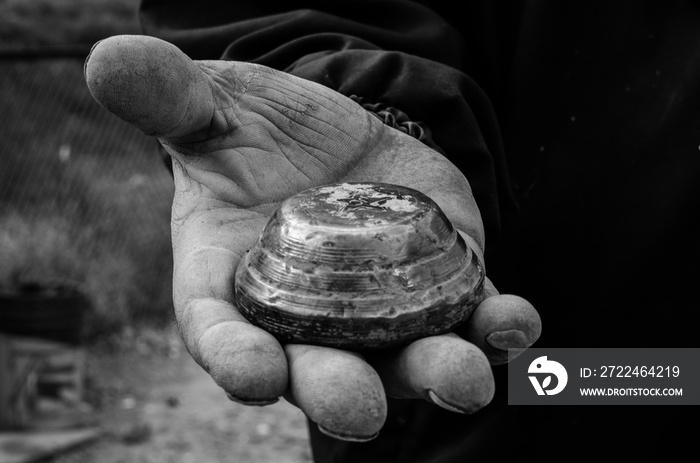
(243, 138)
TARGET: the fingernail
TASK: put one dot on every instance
(260, 403)
(88, 57)
(508, 339)
(441, 403)
(346, 437)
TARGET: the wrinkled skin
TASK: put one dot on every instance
(242, 139)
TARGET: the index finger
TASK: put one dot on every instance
(246, 361)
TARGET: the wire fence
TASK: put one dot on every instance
(84, 197)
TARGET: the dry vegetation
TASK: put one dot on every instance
(57, 22)
(84, 199)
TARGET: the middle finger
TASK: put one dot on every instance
(337, 390)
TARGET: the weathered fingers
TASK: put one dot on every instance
(445, 370)
(337, 390)
(502, 326)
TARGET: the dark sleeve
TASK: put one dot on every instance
(394, 53)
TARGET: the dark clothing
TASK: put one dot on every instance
(578, 127)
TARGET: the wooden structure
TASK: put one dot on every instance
(31, 368)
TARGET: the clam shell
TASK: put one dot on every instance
(358, 266)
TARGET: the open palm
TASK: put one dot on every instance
(243, 138)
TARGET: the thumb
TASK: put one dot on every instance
(150, 84)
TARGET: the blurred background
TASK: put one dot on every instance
(91, 368)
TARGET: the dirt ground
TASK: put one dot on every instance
(153, 404)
